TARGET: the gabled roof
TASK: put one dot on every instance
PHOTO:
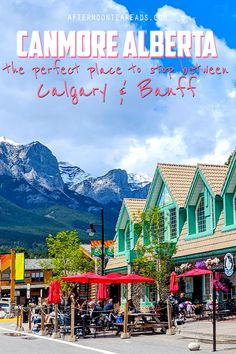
(230, 180)
(211, 175)
(178, 179)
(214, 175)
(134, 209)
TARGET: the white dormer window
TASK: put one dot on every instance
(168, 216)
(200, 215)
(173, 223)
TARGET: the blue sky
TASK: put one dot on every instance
(220, 16)
(141, 132)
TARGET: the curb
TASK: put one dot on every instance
(207, 338)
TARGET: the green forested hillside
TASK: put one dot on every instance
(24, 226)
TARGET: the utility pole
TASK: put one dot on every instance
(91, 231)
(214, 312)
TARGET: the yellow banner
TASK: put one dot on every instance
(20, 266)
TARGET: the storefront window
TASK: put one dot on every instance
(152, 293)
(206, 287)
(143, 293)
(37, 277)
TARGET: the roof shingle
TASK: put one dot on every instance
(215, 176)
(135, 207)
(178, 179)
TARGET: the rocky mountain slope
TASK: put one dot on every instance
(39, 195)
(111, 187)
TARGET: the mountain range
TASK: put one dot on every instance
(39, 195)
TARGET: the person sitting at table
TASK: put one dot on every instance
(36, 319)
(84, 305)
(95, 309)
(98, 306)
(109, 305)
(131, 306)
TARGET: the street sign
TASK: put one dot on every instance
(28, 291)
(229, 264)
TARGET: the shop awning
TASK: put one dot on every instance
(193, 272)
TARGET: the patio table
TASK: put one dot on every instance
(144, 321)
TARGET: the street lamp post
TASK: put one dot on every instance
(92, 231)
(214, 312)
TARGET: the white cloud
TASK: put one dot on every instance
(155, 149)
(100, 136)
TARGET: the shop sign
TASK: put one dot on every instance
(28, 291)
(229, 264)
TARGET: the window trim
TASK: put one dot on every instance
(37, 276)
(201, 196)
(166, 216)
(124, 233)
(145, 294)
(127, 237)
(170, 227)
(229, 206)
(209, 231)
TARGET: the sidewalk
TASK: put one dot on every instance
(203, 329)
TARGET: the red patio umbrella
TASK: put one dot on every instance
(193, 272)
(113, 275)
(174, 285)
(54, 292)
(85, 278)
(129, 279)
(102, 293)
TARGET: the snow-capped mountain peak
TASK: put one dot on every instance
(72, 175)
(4, 139)
(31, 162)
(137, 181)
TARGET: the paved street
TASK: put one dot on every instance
(139, 344)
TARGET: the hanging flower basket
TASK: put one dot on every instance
(200, 265)
(211, 262)
(208, 264)
(185, 266)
